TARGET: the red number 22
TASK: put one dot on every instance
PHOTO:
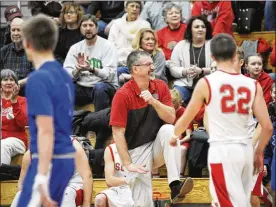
(241, 102)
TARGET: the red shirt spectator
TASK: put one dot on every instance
(219, 13)
(266, 82)
(168, 38)
(14, 119)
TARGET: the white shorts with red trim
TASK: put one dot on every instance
(257, 186)
(119, 196)
(230, 166)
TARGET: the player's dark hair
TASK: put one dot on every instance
(41, 32)
(223, 47)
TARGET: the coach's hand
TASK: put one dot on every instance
(136, 168)
(173, 142)
(258, 161)
(147, 96)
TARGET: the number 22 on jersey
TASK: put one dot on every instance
(228, 103)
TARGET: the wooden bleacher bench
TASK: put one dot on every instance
(267, 36)
(200, 193)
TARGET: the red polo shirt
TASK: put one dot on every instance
(15, 126)
(130, 111)
(167, 38)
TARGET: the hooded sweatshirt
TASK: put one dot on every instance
(218, 13)
(266, 82)
(14, 119)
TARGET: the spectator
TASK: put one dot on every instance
(146, 40)
(124, 30)
(191, 58)
(153, 13)
(254, 66)
(69, 33)
(10, 13)
(109, 10)
(92, 63)
(117, 179)
(13, 55)
(79, 189)
(219, 13)
(14, 118)
(138, 113)
(170, 35)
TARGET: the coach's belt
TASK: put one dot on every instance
(62, 156)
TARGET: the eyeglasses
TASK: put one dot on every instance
(70, 12)
(145, 64)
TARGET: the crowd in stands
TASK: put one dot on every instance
(95, 40)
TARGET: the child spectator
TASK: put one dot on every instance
(254, 66)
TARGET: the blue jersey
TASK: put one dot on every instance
(50, 92)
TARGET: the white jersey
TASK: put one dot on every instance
(229, 107)
(119, 168)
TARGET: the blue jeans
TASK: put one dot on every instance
(269, 16)
(100, 95)
(273, 76)
(101, 28)
(121, 70)
(185, 92)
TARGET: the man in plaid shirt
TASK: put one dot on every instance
(13, 56)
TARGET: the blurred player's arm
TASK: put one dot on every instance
(24, 168)
(84, 170)
(45, 136)
(261, 113)
(109, 171)
(198, 98)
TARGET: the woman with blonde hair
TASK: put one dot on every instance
(146, 40)
(69, 33)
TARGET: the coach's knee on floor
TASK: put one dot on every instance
(100, 200)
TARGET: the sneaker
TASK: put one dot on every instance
(179, 192)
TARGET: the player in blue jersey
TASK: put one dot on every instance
(50, 99)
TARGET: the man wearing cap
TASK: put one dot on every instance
(13, 56)
(10, 13)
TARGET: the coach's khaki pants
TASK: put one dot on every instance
(154, 155)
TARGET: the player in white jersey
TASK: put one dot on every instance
(119, 182)
(230, 98)
(79, 189)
